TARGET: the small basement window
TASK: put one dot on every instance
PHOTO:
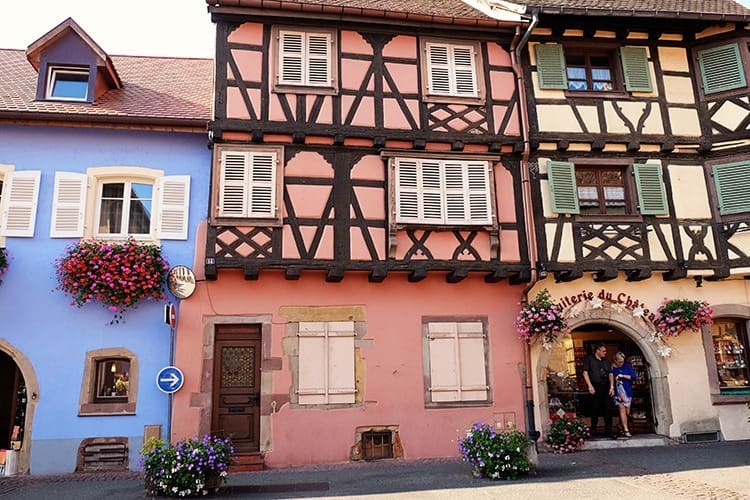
(69, 84)
(377, 445)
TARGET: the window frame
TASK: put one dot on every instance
(55, 71)
(743, 47)
(427, 361)
(618, 84)
(89, 402)
(305, 86)
(629, 198)
(452, 96)
(727, 312)
(100, 366)
(126, 211)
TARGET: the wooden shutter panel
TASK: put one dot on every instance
(732, 187)
(457, 362)
(562, 186)
(432, 192)
(652, 198)
(318, 59)
(636, 69)
(471, 355)
(341, 386)
(234, 184)
(407, 191)
(444, 370)
(326, 363)
(464, 71)
(19, 205)
(550, 66)
(438, 69)
(173, 207)
(263, 185)
(721, 68)
(467, 195)
(68, 205)
(312, 372)
(480, 202)
(291, 58)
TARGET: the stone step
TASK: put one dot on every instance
(250, 462)
(637, 441)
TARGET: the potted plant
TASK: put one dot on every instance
(566, 435)
(118, 275)
(677, 315)
(541, 319)
(3, 263)
(191, 467)
(496, 455)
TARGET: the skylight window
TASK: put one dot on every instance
(70, 84)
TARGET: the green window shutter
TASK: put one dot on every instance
(652, 198)
(635, 68)
(550, 66)
(732, 187)
(721, 68)
(562, 187)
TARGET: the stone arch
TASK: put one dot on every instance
(32, 399)
(639, 330)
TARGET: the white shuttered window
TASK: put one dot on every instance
(449, 192)
(458, 369)
(20, 199)
(326, 363)
(451, 70)
(305, 58)
(248, 184)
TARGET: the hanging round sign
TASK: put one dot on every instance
(181, 282)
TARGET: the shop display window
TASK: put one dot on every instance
(730, 344)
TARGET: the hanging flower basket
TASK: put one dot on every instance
(675, 316)
(541, 319)
(119, 275)
(3, 263)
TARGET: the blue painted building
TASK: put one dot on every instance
(102, 147)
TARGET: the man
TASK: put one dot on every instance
(597, 372)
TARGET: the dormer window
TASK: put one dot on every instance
(68, 84)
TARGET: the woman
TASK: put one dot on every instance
(624, 376)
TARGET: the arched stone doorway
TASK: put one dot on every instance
(631, 326)
(19, 395)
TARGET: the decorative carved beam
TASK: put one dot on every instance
(257, 136)
(298, 137)
(520, 277)
(719, 274)
(457, 146)
(419, 144)
(335, 274)
(456, 275)
(495, 276)
(377, 275)
(565, 276)
(667, 146)
(251, 273)
(638, 274)
(674, 274)
(605, 275)
(292, 273)
(563, 145)
(417, 275)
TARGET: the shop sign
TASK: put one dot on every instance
(628, 302)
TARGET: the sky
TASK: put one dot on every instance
(173, 28)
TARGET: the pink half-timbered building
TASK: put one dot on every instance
(365, 251)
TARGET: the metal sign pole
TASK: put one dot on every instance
(171, 394)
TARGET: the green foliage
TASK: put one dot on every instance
(3, 263)
(566, 435)
(495, 455)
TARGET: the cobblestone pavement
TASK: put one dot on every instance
(680, 471)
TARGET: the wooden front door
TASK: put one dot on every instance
(236, 386)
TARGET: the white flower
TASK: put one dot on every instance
(596, 303)
(664, 351)
(547, 345)
(574, 311)
(638, 312)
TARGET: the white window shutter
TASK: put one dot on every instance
(262, 201)
(464, 71)
(20, 203)
(312, 359)
(68, 205)
(432, 192)
(444, 369)
(233, 189)
(174, 202)
(478, 188)
(456, 193)
(473, 375)
(407, 191)
(291, 58)
(341, 386)
(438, 69)
(318, 59)
(326, 363)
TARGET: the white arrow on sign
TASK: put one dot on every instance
(173, 380)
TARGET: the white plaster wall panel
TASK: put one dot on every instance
(657, 252)
(741, 240)
(729, 115)
(684, 122)
(557, 118)
(566, 243)
(633, 111)
(679, 90)
(673, 59)
(689, 191)
(590, 116)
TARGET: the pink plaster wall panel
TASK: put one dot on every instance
(509, 249)
(325, 115)
(236, 107)
(371, 202)
(357, 141)
(498, 56)
(243, 136)
(249, 63)
(401, 46)
(398, 144)
(364, 116)
(318, 139)
(393, 358)
(476, 148)
(503, 85)
(274, 138)
(249, 33)
(405, 77)
(473, 117)
(370, 167)
(359, 249)
(394, 117)
(504, 192)
(353, 72)
(324, 248)
(275, 111)
(514, 127)
(309, 201)
(438, 146)
(442, 245)
(352, 42)
(309, 164)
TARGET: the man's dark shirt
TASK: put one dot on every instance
(598, 370)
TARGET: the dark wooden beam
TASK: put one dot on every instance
(292, 273)
(251, 273)
(495, 276)
(565, 276)
(456, 275)
(298, 137)
(419, 144)
(521, 277)
(417, 275)
(377, 275)
(605, 274)
(563, 145)
(639, 274)
(335, 274)
(457, 146)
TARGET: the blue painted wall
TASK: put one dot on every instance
(54, 336)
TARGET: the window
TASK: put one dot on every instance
(582, 70)
(305, 58)
(443, 192)
(19, 196)
(248, 184)
(730, 347)
(455, 355)
(450, 69)
(69, 84)
(732, 187)
(605, 189)
(326, 363)
(721, 68)
(110, 383)
(118, 202)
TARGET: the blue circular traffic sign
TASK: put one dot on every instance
(169, 379)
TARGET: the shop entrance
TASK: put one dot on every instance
(12, 403)
(566, 388)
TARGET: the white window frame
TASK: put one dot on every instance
(328, 376)
(55, 73)
(305, 57)
(446, 80)
(443, 192)
(452, 351)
